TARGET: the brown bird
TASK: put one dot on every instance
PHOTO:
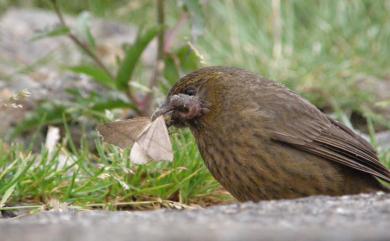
(262, 141)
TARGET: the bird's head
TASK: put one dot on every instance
(192, 98)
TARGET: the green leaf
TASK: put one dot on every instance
(53, 31)
(131, 58)
(189, 60)
(95, 73)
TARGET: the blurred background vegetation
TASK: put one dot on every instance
(335, 53)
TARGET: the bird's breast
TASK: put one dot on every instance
(239, 161)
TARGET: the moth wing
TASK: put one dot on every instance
(138, 154)
(123, 133)
(155, 141)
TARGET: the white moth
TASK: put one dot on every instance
(149, 140)
(152, 144)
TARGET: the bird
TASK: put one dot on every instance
(262, 141)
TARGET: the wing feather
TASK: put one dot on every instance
(334, 143)
(310, 130)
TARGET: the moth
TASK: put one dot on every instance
(149, 140)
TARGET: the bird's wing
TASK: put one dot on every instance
(125, 132)
(310, 130)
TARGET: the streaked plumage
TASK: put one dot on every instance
(263, 141)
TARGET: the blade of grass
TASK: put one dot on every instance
(131, 58)
(6, 195)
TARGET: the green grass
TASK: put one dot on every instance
(105, 178)
(326, 46)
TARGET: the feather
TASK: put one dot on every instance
(335, 142)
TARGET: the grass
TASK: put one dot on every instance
(105, 178)
(324, 47)
(322, 51)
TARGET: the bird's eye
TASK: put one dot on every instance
(190, 91)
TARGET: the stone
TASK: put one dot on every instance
(38, 66)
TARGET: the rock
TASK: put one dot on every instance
(363, 217)
(18, 26)
(38, 65)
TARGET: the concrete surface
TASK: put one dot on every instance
(362, 217)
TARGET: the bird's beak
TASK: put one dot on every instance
(166, 111)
